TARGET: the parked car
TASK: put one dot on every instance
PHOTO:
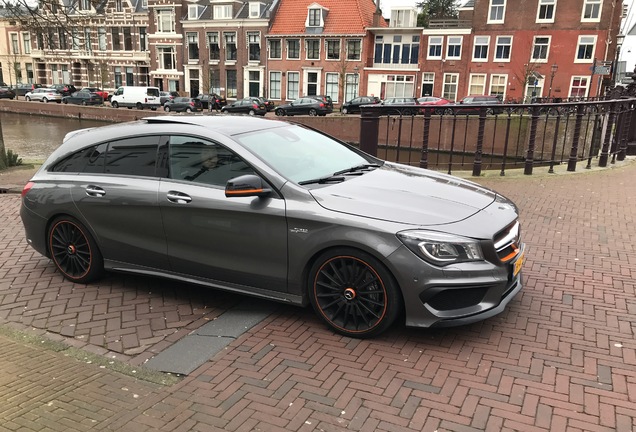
(324, 98)
(472, 105)
(183, 104)
(165, 96)
(44, 94)
(277, 211)
(64, 89)
(97, 90)
(23, 89)
(251, 106)
(6, 92)
(83, 98)
(269, 104)
(139, 97)
(436, 102)
(401, 105)
(353, 106)
(217, 101)
(306, 105)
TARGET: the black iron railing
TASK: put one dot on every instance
(503, 136)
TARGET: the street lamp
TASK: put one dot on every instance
(619, 42)
(553, 71)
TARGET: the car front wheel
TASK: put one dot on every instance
(353, 293)
(345, 111)
(252, 112)
(312, 112)
(115, 105)
(166, 109)
(73, 250)
(280, 112)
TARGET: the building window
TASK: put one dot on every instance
(26, 42)
(213, 46)
(223, 12)
(545, 11)
(254, 83)
(230, 46)
(275, 50)
(116, 40)
(313, 20)
(497, 11)
(498, 85)
(435, 47)
(450, 87)
(165, 21)
(333, 49)
(454, 47)
(193, 45)
(397, 52)
(591, 11)
(88, 44)
(428, 80)
(293, 49)
(504, 45)
(274, 85)
(101, 38)
(119, 7)
(167, 58)
(353, 49)
(255, 10)
(400, 85)
(480, 52)
(15, 44)
(579, 86)
(585, 49)
(477, 84)
(117, 75)
(29, 72)
(130, 76)
(293, 85)
(254, 41)
(75, 40)
(85, 5)
(312, 46)
(331, 86)
(540, 49)
(231, 83)
(215, 81)
(128, 45)
(143, 39)
(62, 38)
(193, 12)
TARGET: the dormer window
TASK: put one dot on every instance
(223, 12)
(314, 18)
(255, 9)
(316, 15)
(193, 12)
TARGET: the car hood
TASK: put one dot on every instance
(406, 195)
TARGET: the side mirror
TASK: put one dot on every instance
(248, 185)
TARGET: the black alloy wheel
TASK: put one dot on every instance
(313, 112)
(354, 293)
(73, 250)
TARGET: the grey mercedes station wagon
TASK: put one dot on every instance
(277, 211)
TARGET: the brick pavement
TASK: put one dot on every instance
(561, 357)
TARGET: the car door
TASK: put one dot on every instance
(117, 193)
(235, 241)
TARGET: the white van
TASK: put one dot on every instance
(136, 97)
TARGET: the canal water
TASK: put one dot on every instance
(33, 138)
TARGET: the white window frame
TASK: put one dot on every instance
(499, 8)
(450, 79)
(193, 12)
(222, 12)
(547, 53)
(15, 44)
(313, 41)
(435, 42)
(497, 45)
(587, 85)
(192, 38)
(212, 38)
(336, 44)
(452, 41)
(332, 85)
(350, 55)
(300, 47)
(165, 18)
(502, 77)
(166, 50)
(269, 49)
(279, 75)
(320, 23)
(289, 94)
(546, 5)
(429, 78)
(255, 9)
(592, 41)
(591, 4)
(471, 83)
(487, 45)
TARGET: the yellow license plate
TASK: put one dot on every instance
(518, 263)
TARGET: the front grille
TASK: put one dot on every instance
(507, 242)
(457, 298)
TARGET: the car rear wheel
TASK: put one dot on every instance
(312, 112)
(252, 112)
(84, 103)
(353, 293)
(449, 111)
(64, 101)
(489, 111)
(28, 99)
(139, 106)
(115, 104)
(280, 112)
(73, 250)
(188, 110)
(166, 108)
(45, 100)
(345, 111)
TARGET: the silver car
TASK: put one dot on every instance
(44, 94)
(277, 211)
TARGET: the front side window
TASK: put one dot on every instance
(591, 10)
(275, 50)
(230, 46)
(497, 11)
(545, 11)
(504, 45)
(213, 46)
(313, 49)
(540, 48)
(353, 49)
(134, 156)
(585, 49)
(293, 49)
(165, 21)
(454, 47)
(333, 49)
(480, 52)
(435, 47)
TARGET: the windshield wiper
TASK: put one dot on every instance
(356, 169)
(323, 180)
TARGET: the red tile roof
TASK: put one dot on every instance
(344, 16)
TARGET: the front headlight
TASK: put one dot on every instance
(440, 248)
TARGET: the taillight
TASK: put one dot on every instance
(191, 103)
(255, 106)
(27, 188)
(322, 105)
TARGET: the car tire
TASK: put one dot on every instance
(345, 111)
(84, 103)
(45, 100)
(489, 111)
(313, 112)
(188, 110)
(252, 112)
(74, 251)
(115, 104)
(139, 106)
(279, 112)
(64, 101)
(449, 111)
(28, 99)
(166, 109)
(353, 293)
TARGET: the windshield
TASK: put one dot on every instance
(300, 154)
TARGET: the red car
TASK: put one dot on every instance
(98, 91)
(434, 101)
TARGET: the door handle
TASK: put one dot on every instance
(178, 197)
(95, 191)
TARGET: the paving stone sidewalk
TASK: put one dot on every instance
(561, 357)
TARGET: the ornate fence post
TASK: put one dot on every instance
(533, 138)
(369, 130)
(602, 160)
(625, 136)
(577, 136)
(480, 142)
(425, 137)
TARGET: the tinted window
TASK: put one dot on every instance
(153, 92)
(133, 156)
(89, 160)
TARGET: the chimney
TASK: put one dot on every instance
(377, 15)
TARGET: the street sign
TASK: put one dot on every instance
(600, 70)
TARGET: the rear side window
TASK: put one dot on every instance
(133, 156)
(89, 160)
